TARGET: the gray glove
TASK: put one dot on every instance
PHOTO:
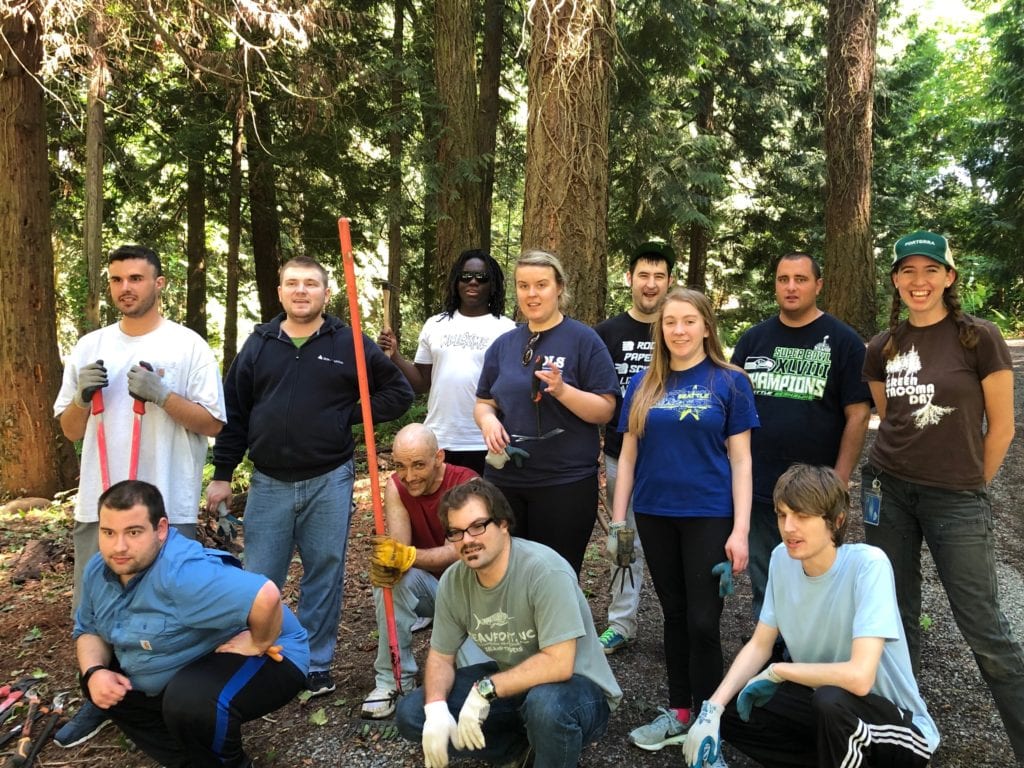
(91, 379)
(146, 385)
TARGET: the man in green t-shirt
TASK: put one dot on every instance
(549, 689)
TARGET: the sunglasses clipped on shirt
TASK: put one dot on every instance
(476, 529)
(468, 277)
(531, 346)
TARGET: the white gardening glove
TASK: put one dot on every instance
(702, 740)
(438, 729)
(611, 546)
(471, 717)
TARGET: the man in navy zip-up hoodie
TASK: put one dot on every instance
(292, 396)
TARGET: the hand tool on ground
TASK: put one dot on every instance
(12, 695)
(15, 732)
(139, 410)
(371, 446)
(56, 709)
(20, 756)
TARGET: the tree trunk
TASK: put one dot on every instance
(234, 230)
(92, 222)
(396, 199)
(849, 292)
(566, 198)
(490, 104)
(34, 459)
(423, 46)
(265, 224)
(700, 234)
(458, 156)
(195, 299)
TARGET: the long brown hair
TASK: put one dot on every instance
(950, 298)
(652, 388)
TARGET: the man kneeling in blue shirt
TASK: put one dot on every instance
(176, 642)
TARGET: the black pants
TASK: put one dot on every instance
(826, 728)
(474, 460)
(196, 722)
(680, 553)
(560, 516)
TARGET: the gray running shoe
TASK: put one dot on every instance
(663, 731)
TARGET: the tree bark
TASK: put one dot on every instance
(458, 155)
(423, 49)
(700, 235)
(234, 229)
(265, 224)
(195, 299)
(396, 199)
(566, 198)
(849, 291)
(92, 222)
(490, 105)
(34, 459)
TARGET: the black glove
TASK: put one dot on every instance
(91, 379)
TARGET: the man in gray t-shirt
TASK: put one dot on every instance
(520, 602)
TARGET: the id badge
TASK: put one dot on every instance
(873, 503)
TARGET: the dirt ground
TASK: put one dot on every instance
(35, 629)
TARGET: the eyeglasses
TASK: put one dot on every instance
(468, 277)
(476, 529)
(530, 348)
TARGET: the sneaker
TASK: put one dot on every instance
(719, 762)
(612, 641)
(379, 703)
(421, 623)
(87, 722)
(666, 729)
(319, 683)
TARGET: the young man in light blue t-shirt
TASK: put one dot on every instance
(849, 696)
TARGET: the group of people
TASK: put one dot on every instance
(711, 464)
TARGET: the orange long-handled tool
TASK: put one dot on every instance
(138, 411)
(371, 446)
(101, 437)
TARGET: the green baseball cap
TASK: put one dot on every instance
(654, 250)
(923, 243)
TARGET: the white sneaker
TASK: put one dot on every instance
(379, 703)
(421, 623)
(719, 763)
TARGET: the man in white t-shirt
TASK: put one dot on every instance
(142, 357)
(848, 697)
(451, 353)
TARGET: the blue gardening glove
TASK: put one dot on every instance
(144, 384)
(91, 378)
(703, 743)
(757, 692)
(724, 573)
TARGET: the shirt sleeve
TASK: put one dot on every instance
(742, 411)
(875, 608)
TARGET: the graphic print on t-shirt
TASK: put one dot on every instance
(901, 381)
(635, 357)
(466, 340)
(793, 372)
(497, 633)
(692, 402)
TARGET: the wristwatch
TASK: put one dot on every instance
(485, 688)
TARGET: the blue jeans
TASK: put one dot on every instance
(957, 526)
(764, 537)
(557, 719)
(412, 598)
(312, 515)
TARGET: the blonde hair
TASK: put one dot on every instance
(538, 258)
(652, 388)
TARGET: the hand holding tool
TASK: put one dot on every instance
(91, 379)
(146, 385)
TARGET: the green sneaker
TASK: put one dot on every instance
(663, 731)
(612, 641)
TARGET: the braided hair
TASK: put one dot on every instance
(496, 299)
(951, 298)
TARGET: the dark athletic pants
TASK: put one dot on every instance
(560, 516)
(680, 553)
(826, 728)
(196, 722)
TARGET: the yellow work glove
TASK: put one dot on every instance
(392, 554)
(382, 576)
